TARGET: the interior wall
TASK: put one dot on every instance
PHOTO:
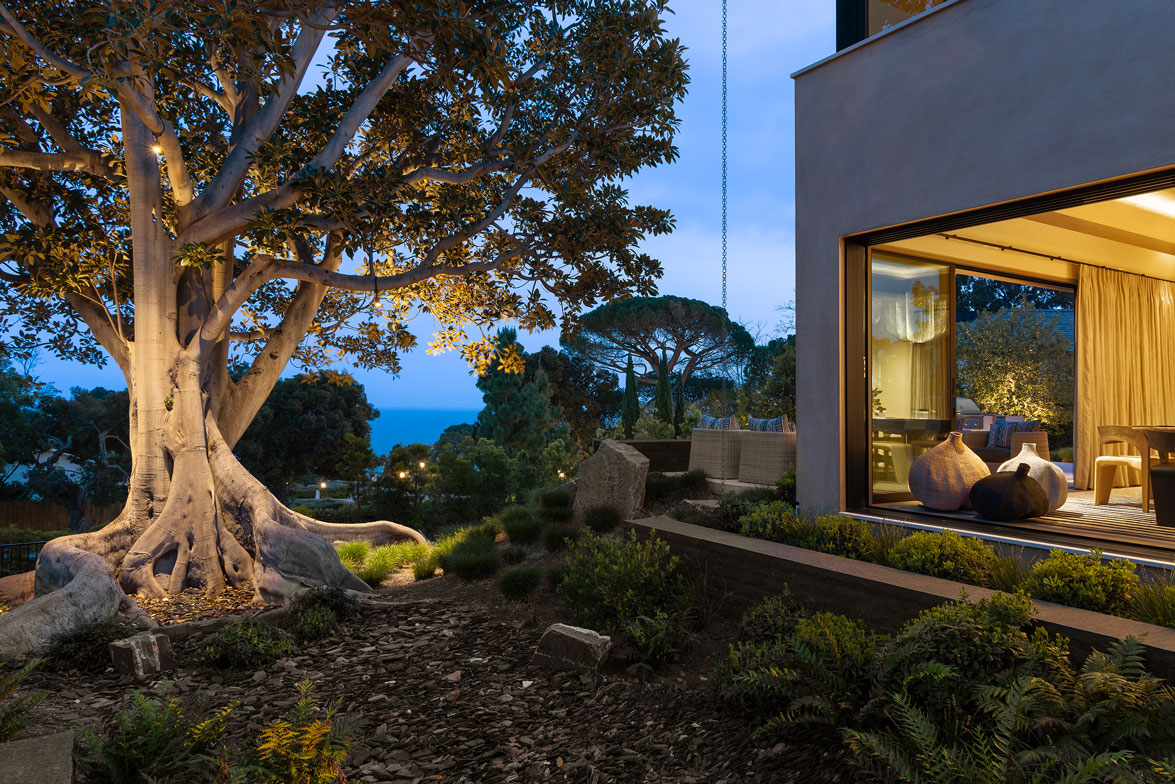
(977, 103)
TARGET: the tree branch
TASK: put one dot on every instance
(83, 161)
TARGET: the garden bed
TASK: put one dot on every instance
(738, 571)
(437, 682)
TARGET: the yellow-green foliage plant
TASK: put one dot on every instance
(1084, 580)
(945, 554)
(307, 747)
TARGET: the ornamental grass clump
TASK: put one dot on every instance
(517, 584)
(86, 649)
(1154, 603)
(521, 524)
(473, 559)
(14, 711)
(602, 519)
(623, 585)
(514, 555)
(557, 537)
(316, 613)
(944, 554)
(1084, 580)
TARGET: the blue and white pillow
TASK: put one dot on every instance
(1000, 435)
(718, 423)
(776, 425)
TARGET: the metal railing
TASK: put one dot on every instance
(19, 557)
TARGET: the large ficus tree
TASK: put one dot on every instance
(189, 184)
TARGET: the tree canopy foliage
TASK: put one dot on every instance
(1016, 361)
(696, 336)
(586, 395)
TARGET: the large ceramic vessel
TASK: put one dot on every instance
(941, 478)
(1049, 475)
(1006, 495)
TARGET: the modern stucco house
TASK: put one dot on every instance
(1029, 141)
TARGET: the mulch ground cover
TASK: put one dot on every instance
(436, 682)
(194, 605)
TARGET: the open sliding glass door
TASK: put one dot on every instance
(911, 366)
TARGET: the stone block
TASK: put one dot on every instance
(564, 647)
(44, 760)
(614, 476)
(143, 654)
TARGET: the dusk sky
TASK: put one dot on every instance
(769, 39)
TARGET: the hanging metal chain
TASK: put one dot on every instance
(726, 412)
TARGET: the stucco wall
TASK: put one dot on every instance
(977, 103)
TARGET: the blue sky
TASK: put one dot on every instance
(769, 39)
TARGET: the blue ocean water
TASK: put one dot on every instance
(415, 425)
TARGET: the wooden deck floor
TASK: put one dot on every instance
(1120, 526)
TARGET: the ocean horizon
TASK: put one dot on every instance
(415, 425)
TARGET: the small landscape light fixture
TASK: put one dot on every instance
(562, 475)
(403, 474)
(157, 149)
(322, 485)
(421, 465)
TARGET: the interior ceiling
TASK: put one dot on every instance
(1133, 234)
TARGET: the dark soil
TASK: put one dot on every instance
(436, 681)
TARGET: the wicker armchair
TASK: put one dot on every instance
(764, 455)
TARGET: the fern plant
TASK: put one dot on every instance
(303, 747)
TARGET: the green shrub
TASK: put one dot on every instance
(1009, 573)
(1154, 603)
(338, 600)
(354, 553)
(1084, 580)
(840, 535)
(602, 519)
(556, 516)
(308, 746)
(969, 645)
(659, 487)
(14, 710)
(514, 555)
(86, 649)
(770, 619)
(692, 480)
(154, 739)
(249, 643)
(614, 583)
(519, 583)
(556, 537)
(522, 526)
(785, 487)
(473, 559)
(552, 498)
(20, 535)
(313, 623)
(944, 554)
(774, 521)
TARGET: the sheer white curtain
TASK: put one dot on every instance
(1125, 359)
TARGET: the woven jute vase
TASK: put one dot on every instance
(941, 478)
(1048, 475)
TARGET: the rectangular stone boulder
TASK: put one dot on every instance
(564, 647)
(614, 476)
(143, 654)
(44, 760)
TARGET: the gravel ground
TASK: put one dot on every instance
(437, 684)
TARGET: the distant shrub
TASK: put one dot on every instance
(248, 643)
(521, 524)
(945, 554)
(14, 710)
(20, 535)
(614, 583)
(602, 519)
(770, 619)
(86, 649)
(556, 537)
(514, 555)
(154, 739)
(1084, 580)
(552, 499)
(473, 559)
(519, 583)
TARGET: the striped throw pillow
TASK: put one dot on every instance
(718, 423)
(766, 425)
(1000, 435)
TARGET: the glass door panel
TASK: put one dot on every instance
(911, 366)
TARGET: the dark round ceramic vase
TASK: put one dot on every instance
(1009, 495)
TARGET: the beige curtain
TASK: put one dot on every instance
(1125, 359)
